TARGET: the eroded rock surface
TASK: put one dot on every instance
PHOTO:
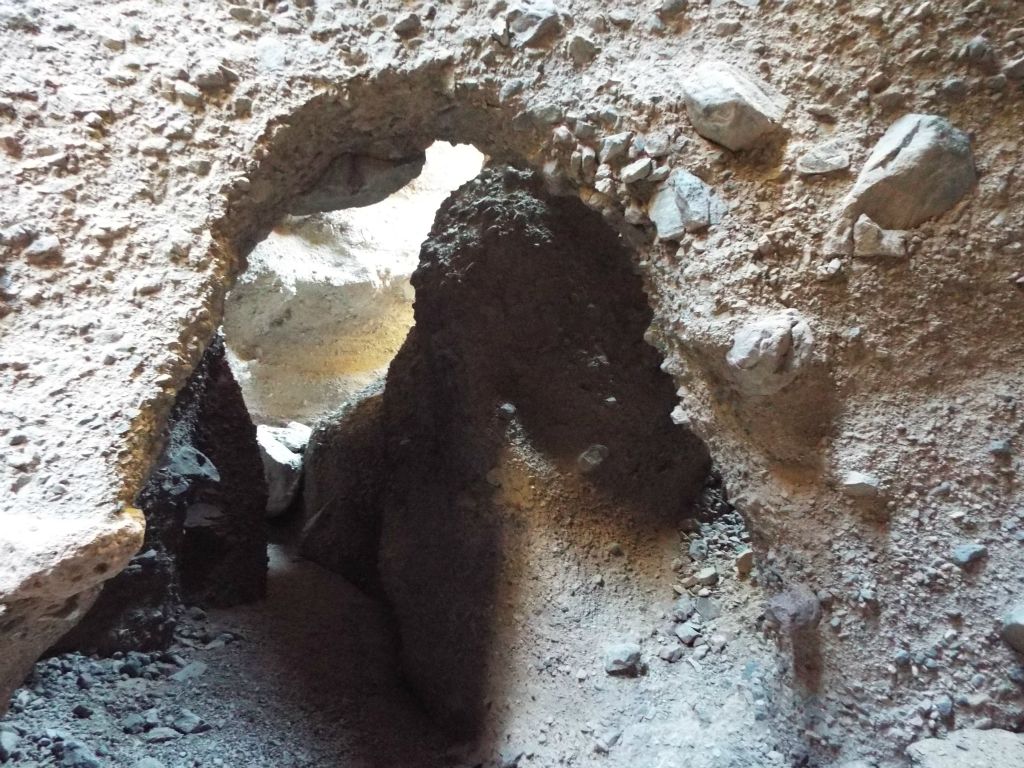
(528, 347)
(205, 539)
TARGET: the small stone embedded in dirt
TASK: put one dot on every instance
(683, 203)
(45, 249)
(533, 22)
(592, 458)
(870, 240)
(582, 49)
(794, 610)
(76, 754)
(188, 722)
(1012, 630)
(966, 555)
(744, 562)
(407, 25)
(860, 485)
(191, 671)
(637, 170)
(687, 633)
(708, 608)
(149, 762)
(161, 734)
(671, 654)
(133, 723)
(707, 576)
(1000, 447)
(768, 353)
(822, 159)
(623, 659)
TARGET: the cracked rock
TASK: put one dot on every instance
(918, 170)
(684, 203)
(768, 353)
(730, 108)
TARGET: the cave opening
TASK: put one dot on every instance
(481, 515)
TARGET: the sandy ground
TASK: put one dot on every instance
(311, 681)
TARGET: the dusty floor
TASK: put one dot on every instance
(308, 678)
(306, 681)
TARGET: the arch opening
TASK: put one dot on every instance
(519, 479)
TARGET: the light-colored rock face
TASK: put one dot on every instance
(281, 452)
(325, 301)
(136, 175)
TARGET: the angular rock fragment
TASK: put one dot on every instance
(822, 159)
(532, 22)
(592, 458)
(730, 108)
(1012, 630)
(768, 353)
(918, 170)
(684, 203)
(582, 49)
(870, 240)
(622, 659)
(45, 249)
(966, 555)
(408, 25)
(860, 485)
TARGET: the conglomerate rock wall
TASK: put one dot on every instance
(825, 204)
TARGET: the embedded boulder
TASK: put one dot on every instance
(731, 108)
(768, 353)
(684, 203)
(920, 168)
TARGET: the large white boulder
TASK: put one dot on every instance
(730, 107)
(918, 170)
